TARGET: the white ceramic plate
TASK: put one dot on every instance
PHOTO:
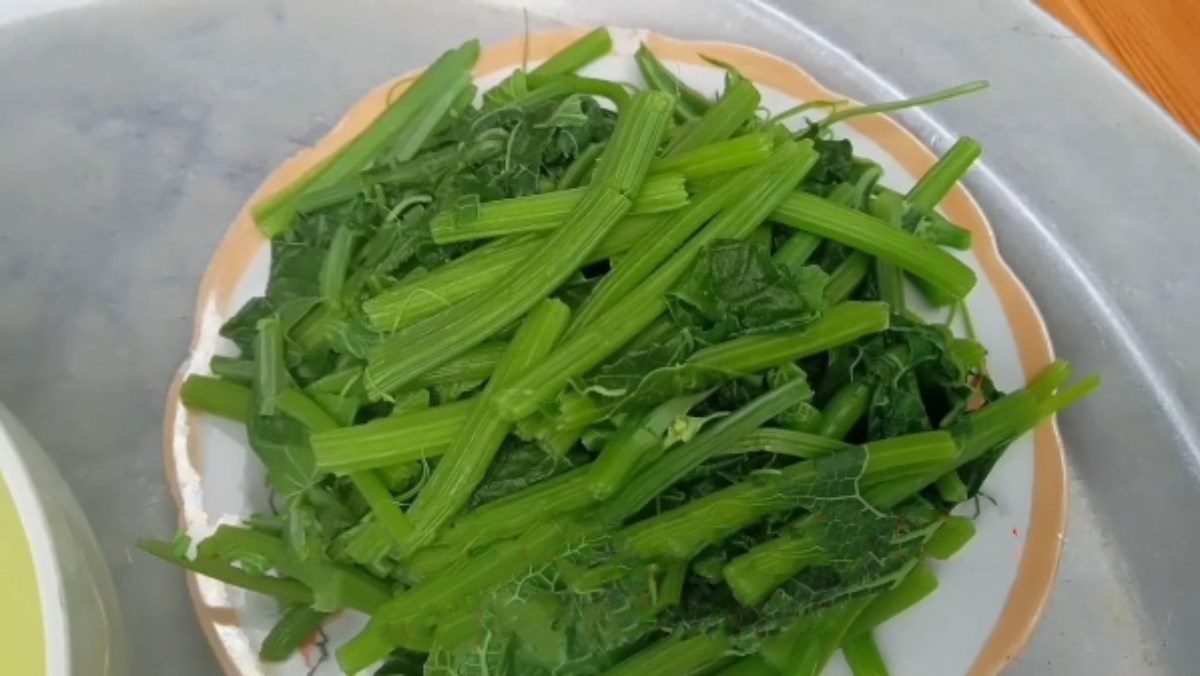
(1000, 582)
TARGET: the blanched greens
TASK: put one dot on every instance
(581, 377)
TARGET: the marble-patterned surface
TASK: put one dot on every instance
(131, 131)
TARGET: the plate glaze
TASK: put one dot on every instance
(1004, 576)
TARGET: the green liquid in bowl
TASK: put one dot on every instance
(22, 646)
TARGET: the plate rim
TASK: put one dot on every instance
(1041, 554)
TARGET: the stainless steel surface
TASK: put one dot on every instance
(132, 131)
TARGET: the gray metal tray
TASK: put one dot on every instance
(130, 132)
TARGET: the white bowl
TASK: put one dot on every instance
(81, 623)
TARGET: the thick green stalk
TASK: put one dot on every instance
(753, 665)
(669, 469)
(934, 228)
(682, 532)
(415, 349)
(216, 396)
(843, 195)
(411, 612)
(561, 442)
(382, 504)
(863, 656)
(718, 158)
(413, 300)
(1000, 426)
(576, 410)
(401, 477)
(755, 574)
(847, 277)
(296, 626)
(996, 424)
(477, 363)
(554, 87)
(638, 441)
(950, 487)
(664, 244)
(558, 433)
(845, 408)
(623, 166)
(933, 187)
(474, 446)
(235, 369)
(954, 533)
(424, 168)
(620, 173)
(581, 167)
(271, 376)
(627, 316)
(690, 103)
(929, 191)
(762, 237)
(342, 407)
(388, 441)
(819, 219)
(311, 332)
(758, 572)
(999, 422)
(412, 117)
(294, 403)
(794, 253)
(332, 278)
(727, 115)
(819, 637)
(670, 587)
(840, 324)
(502, 519)
(625, 235)
(676, 656)
(889, 603)
(889, 208)
(870, 235)
(1049, 380)
(315, 201)
(546, 211)
(350, 586)
(1061, 400)
(593, 45)
(786, 442)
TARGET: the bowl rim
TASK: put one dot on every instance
(1041, 554)
(20, 457)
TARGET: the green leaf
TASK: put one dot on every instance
(834, 167)
(804, 417)
(650, 375)
(518, 466)
(281, 444)
(540, 623)
(735, 288)
(242, 327)
(920, 374)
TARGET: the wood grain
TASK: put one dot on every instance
(1156, 42)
